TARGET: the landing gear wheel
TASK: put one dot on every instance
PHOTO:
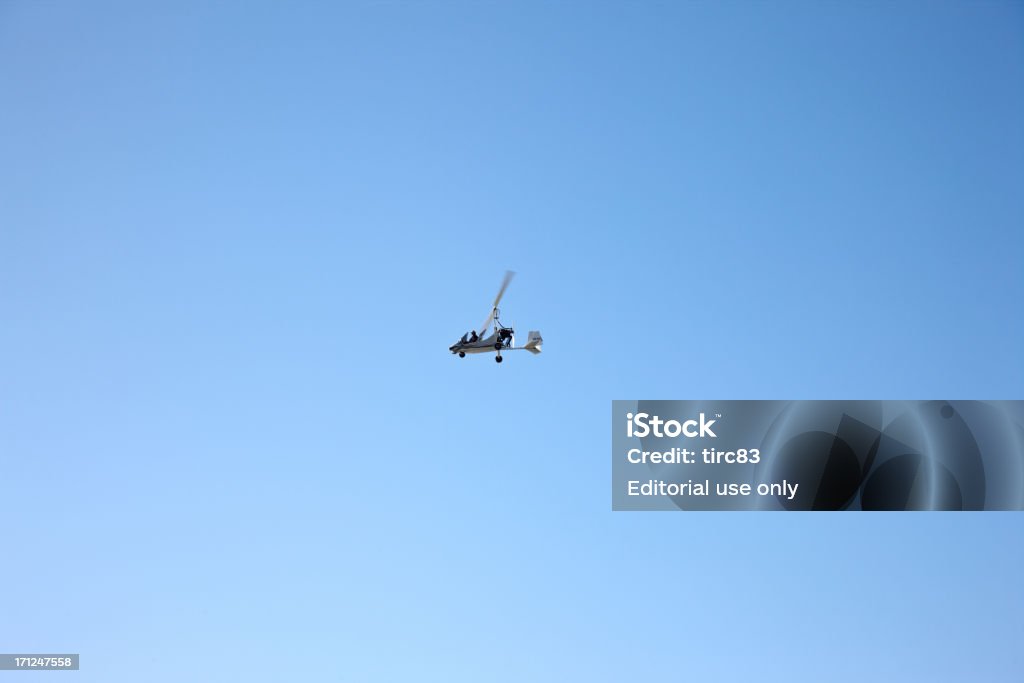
(497, 359)
(462, 354)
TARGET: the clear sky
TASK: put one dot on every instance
(236, 239)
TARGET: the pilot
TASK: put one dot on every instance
(473, 338)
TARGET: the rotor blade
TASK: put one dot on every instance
(483, 330)
(509, 274)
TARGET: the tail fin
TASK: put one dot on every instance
(533, 341)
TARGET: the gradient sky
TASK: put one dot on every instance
(236, 239)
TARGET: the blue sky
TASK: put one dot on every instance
(236, 241)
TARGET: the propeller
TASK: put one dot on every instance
(509, 274)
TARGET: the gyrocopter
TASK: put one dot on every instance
(501, 339)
